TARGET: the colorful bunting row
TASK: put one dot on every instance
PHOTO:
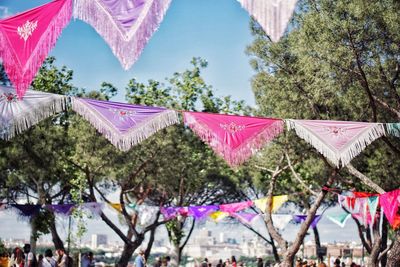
(126, 25)
(234, 138)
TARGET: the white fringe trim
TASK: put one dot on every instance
(30, 117)
(128, 46)
(393, 129)
(136, 135)
(353, 148)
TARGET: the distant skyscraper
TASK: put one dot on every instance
(98, 240)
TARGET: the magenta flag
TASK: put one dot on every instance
(338, 141)
(235, 138)
(27, 38)
(390, 202)
(126, 25)
(124, 125)
(235, 207)
(272, 15)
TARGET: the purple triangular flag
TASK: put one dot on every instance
(245, 217)
(170, 212)
(64, 209)
(201, 212)
(302, 218)
(126, 25)
(124, 125)
(27, 210)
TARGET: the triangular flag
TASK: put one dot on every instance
(245, 217)
(95, 208)
(217, 216)
(281, 220)
(147, 214)
(27, 38)
(235, 207)
(17, 115)
(338, 141)
(126, 25)
(124, 125)
(63, 209)
(261, 204)
(169, 213)
(235, 138)
(340, 219)
(116, 206)
(272, 15)
(302, 218)
(278, 201)
(393, 129)
(27, 210)
(390, 204)
(200, 212)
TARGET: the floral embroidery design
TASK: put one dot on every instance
(9, 97)
(27, 29)
(336, 132)
(122, 114)
(232, 127)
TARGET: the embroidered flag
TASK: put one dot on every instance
(340, 219)
(124, 125)
(277, 202)
(245, 217)
(235, 138)
(393, 129)
(272, 15)
(280, 221)
(373, 205)
(235, 207)
(17, 115)
(27, 210)
(217, 216)
(169, 212)
(302, 218)
(63, 209)
(95, 208)
(338, 141)
(27, 38)
(390, 204)
(126, 25)
(200, 212)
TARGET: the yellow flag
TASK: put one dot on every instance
(277, 202)
(218, 215)
(116, 206)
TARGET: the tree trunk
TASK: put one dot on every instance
(290, 254)
(34, 232)
(175, 255)
(127, 254)
(384, 241)
(58, 243)
(394, 253)
(376, 247)
(150, 243)
(274, 250)
(317, 244)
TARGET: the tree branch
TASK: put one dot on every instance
(296, 176)
(367, 181)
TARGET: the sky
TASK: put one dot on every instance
(215, 30)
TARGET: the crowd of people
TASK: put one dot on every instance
(24, 257)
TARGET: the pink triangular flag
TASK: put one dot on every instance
(126, 25)
(124, 125)
(27, 38)
(338, 141)
(235, 138)
(390, 204)
(272, 15)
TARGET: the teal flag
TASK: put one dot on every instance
(373, 205)
(393, 129)
(340, 219)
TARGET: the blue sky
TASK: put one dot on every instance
(216, 30)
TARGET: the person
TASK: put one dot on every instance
(140, 261)
(233, 261)
(337, 262)
(204, 263)
(298, 262)
(87, 259)
(40, 260)
(30, 258)
(17, 258)
(312, 264)
(158, 262)
(62, 260)
(48, 260)
(227, 263)
(220, 263)
(260, 262)
(322, 264)
(168, 259)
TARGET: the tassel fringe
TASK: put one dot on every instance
(352, 150)
(393, 129)
(235, 157)
(126, 47)
(22, 76)
(135, 136)
(24, 121)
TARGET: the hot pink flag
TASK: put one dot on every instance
(390, 204)
(27, 38)
(126, 25)
(235, 207)
(272, 15)
(338, 141)
(235, 138)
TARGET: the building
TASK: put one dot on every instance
(98, 240)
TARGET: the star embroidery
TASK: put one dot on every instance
(27, 29)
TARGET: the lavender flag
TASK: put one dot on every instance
(245, 217)
(201, 212)
(27, 210)
(126, 25)
(94, 207)
(302, 218)
(170, 212)
(64, 209)
(124, 125)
